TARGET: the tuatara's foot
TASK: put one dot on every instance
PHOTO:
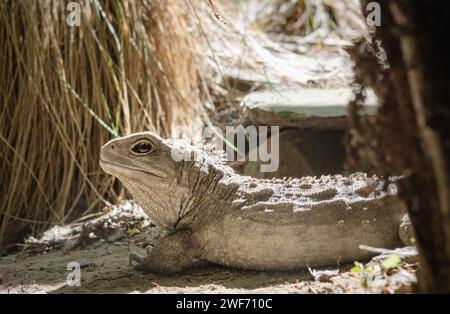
(169, 255)
(136, 257)
(151, 263)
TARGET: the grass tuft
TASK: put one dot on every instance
(65, 91)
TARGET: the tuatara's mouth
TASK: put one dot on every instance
(110, 167)
(113, 168)
(106, 165)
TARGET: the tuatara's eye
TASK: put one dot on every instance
(141, 148)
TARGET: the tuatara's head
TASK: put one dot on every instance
(143, 163)
(137, 156)
(161, 174)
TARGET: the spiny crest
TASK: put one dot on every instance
(203, 155)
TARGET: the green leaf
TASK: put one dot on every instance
(358, 268)
(133, 231)
(392, 261)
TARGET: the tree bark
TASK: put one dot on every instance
(411, 133)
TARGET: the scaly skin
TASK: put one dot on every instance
(214, 214)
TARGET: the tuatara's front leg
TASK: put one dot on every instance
(169, 255)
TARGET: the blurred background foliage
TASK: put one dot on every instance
(65, 91)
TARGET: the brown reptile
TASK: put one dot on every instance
(212, 213)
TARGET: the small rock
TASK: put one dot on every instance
(70, 244)
(114, 235)
(305, 108)
(323, 275)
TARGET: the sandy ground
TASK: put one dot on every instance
(101, 247)
(105, 269)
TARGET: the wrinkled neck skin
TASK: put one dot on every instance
(197, 185)
(160, 198)
(211, 190)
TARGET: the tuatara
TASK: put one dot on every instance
(212, 213)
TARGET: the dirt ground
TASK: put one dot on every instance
(105, 269)
(101, 246)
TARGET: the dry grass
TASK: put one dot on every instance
(65, 91)
(298, 17)
(304, 17)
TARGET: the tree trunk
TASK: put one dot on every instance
(411, 133)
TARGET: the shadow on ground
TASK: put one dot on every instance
(105, 269)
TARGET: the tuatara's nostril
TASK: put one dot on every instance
(112, 146)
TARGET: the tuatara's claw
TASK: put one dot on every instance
(148, 249)
(134, 256)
